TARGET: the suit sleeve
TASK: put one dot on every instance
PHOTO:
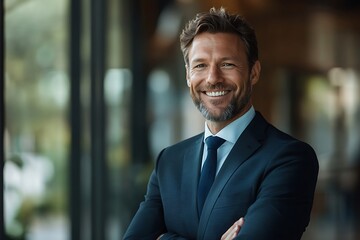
(285, 195)
(148, 222)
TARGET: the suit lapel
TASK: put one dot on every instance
(249, 141)
(190, 178)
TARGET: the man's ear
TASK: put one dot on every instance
(255, 72)
(187, 76)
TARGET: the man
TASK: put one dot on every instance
(265, 179)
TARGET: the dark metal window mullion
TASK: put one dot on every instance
(97, 124)
(75, 184)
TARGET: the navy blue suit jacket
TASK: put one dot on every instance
(268, 177)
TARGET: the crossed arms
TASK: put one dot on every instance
(280, 207)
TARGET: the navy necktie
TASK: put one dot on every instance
(209, 169)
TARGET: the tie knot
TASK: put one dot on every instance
(214, 142)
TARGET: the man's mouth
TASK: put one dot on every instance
(216, 93)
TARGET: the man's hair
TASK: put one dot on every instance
(220, 21)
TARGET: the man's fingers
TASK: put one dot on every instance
(232, 232)
(240, 222)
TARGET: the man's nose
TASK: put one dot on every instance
(214, 75)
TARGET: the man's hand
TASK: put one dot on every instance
(230, 234)
(233, 231)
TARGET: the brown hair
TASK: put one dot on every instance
(216, 21)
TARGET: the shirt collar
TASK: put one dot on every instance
(233, 131)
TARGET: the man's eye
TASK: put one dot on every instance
(227, 65)
(200, 66)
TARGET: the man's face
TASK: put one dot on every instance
(218, 76)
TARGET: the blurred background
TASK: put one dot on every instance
(93, 90)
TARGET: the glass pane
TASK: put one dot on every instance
(37, 130)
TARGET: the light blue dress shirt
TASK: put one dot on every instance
(230, 133)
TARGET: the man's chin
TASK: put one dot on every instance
(215, 116)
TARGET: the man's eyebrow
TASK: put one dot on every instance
(196, 60)
(228, 58)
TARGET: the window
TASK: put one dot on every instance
(37, 130)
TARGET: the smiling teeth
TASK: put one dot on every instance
(215, 94)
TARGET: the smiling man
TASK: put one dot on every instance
(241, 178)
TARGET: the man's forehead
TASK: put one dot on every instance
(222, 46)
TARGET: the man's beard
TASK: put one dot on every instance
(231, 110)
